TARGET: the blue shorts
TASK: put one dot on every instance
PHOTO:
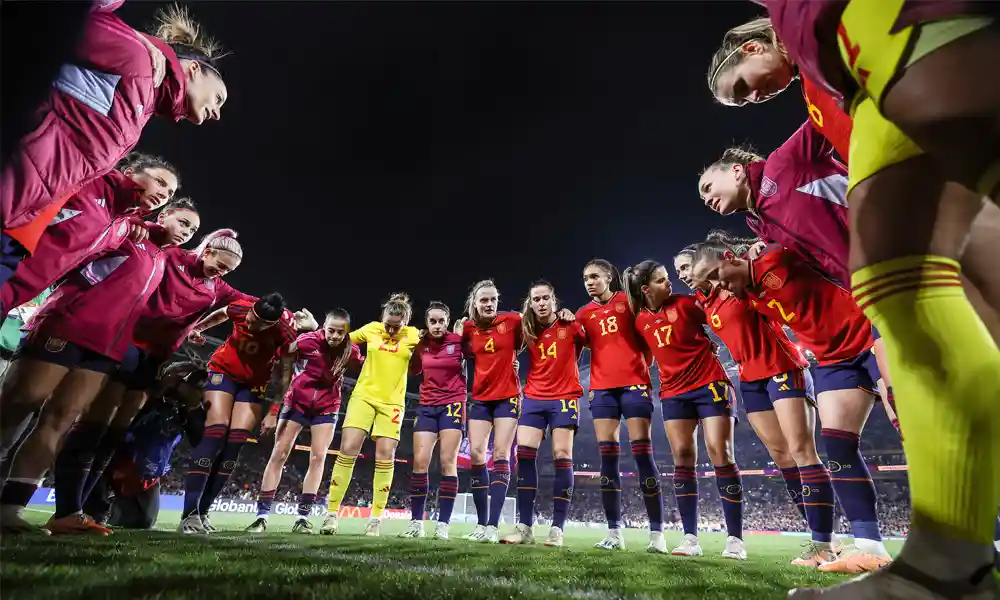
(63, 353)
(550, 414)
(632, 402)
(440, 417)
(490, 410)
(290, 413)
(875, 334)
(241, 392)
(11, 255)
(860, 372)
(713, 400)
(760, 395)
(139, 370)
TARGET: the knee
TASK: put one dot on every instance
(562, 453)
(803, 452)
(316, 461)
(385, 453)
(684, 455)
(720, 453)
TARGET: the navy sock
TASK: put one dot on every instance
(200, 463)
(611, 483)
(224, 466)
(527, 484)
(265, 499)
(499, 482)
(447, 491)
(306, 503)
(479, 483)
(649, 482)
(852, 482)
(819, 501)
(727, 477)
(73, 464)
(793, 483)
(686, 493)
(18, 492)
(562, 491)
(418, 495)
(113, 438)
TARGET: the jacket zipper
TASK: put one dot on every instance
(135, 303)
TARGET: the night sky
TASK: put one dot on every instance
(372, 147)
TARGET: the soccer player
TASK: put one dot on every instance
(440, 416)
(694, 389)
(238, 374)
(829, 323)
(773, 376)
(376, 408)
(619, 388)
(551, 403)
(75, 342)
(313, 369)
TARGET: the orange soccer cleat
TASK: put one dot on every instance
(854, 561)
(75, 524)
(814, 555)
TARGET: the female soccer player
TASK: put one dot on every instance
(829, 323)
(376, 408)
(619, 388)
(140, 185)
(313, 369)
(238, 374)
(76, 341)
(551, 403)
(96, 113)
(441, 415)
(773, 376)
(694, 389)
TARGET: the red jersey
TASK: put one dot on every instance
(443, 364)
(759, 346)
(248, 356)
(617, 356)
(676, 336)
(554, 374)
(494, 350)
(829, 119)
(822, 314)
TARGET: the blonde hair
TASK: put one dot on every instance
(175, 26)
(759, 30)
(470, 301)
(531, 327)
(398, 305)
(221, 239)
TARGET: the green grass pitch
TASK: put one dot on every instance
(280, 565)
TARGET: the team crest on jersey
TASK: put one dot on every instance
(768, 187)
(451, 348)
(772, 281)
(620, 307)
(216, 378)
(672, 315)
(561, 334)
(55, 345)
(502, 328)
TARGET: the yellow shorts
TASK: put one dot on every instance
(876, 144)
(377, 418)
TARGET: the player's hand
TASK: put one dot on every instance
(269, 424)
(305, 321)
(157, 59)
(566, 315)
(517, 365)
(756, 249)
(422, 333)
(137, 231)
(459, 325)
(715, 348)
(196, 338)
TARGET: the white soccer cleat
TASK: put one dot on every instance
(657, 543)
(12, 521)
(192, 525)
(891, 583)
(414, 530)
(303, 526)
(555, 539)
(258, 526)
(491, 535)
(441, 531)
(613, 541)
(690, 546)
(373, 528)
(206, 523)
(734, 549)
(523, 534)
(330, 524)
(476, 535)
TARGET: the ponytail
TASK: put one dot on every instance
(185, 37)
(221, 239)
(398, 305)
(633, 278)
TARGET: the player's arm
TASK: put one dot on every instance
(216, 317)
(363, 335)
(416, 363)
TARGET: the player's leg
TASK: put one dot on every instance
(425, 437)
(719, 443)
(352, 437)
(148, 501)
(681, 425)
(529, 438)
(562, 484)
(451, 440)
(764, 421)
(131, 404)
(386, 432)
(504, 429)
(637, 409)
(248, 410)
(480, 428)
(321, 430)
(606, 413)
(290, 423)
(220, 398)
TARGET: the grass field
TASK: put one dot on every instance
(280, 565)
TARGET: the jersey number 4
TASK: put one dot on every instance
(547, 352)
(490, 346)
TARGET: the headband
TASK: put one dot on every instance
(723, 63)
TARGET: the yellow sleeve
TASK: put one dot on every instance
(363, 335)
(412, 336)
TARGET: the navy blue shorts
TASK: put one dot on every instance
(241, 392)
(713, 400)
(632, 402)
(63, 353)
(139, 370)
(290, 413)
(490, 410)
(760, 395)
(875, 334)
(440, 417)
(550, 414)
(11, 255)
(860, 372)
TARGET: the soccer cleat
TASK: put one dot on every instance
(523, 534)
(657, 543)
(75, 524)
(477, 534)
(613, 541)
(555, 539)
(207, 524)
(192, 525)
(441, 531)
(303, 525)
(901, 582)
(258, 526)
(12, 521)
(373, 528)
(330, 524)
(854, 561)
(690, 546)
(734, 549)
(814, 554)
(491, 535)
(414, 530)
